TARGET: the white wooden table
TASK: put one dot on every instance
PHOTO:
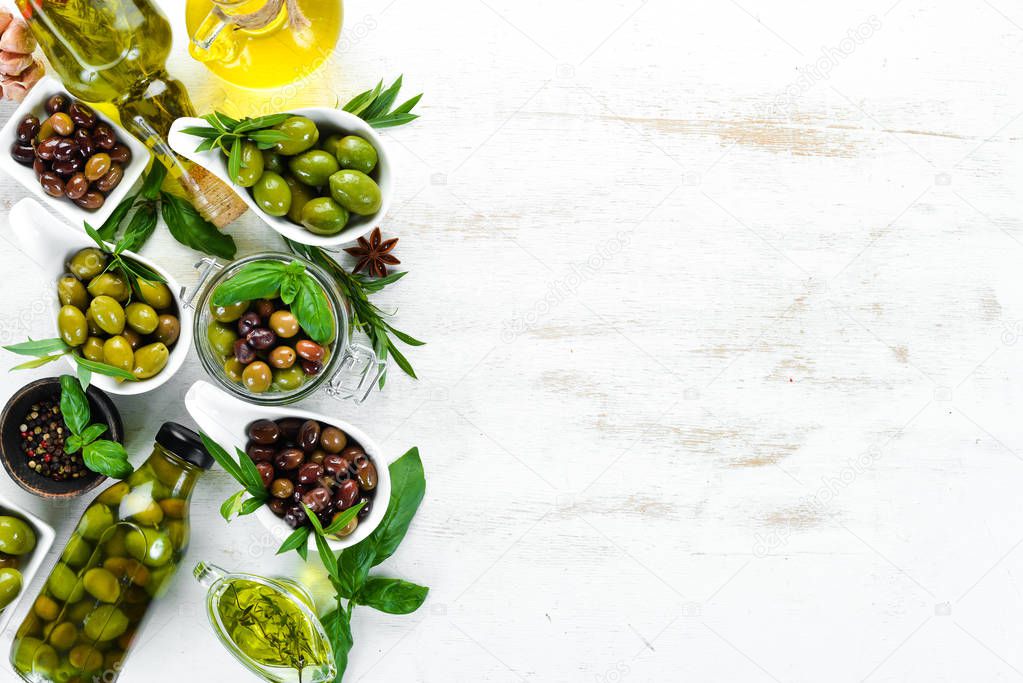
(722, 302)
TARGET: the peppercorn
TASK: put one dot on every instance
(43, 432)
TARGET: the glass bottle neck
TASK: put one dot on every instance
(175, 473)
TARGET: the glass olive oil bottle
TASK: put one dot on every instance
(120, 558)
(114, 51)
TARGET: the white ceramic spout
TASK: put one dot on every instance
(48, 243)
(225, 418)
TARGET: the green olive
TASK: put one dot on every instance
(302, 135)
(71, 292)
(106, 622)
(355, 191)
(150, 360)
(177, 531)
(151, 547)
(77, 612)
(110, 284)
(64, 585)
(9, 561)
(141, 508)
(222, 338)
(230, 312)
(272, 194)
(86, 658)
(32, 654)
(234, 368)
(301, 194)
(87, 263)
(159, 581)
(117, 352)
(113, 494)
(257, 377)
(288, 379)
(356, 153)
(252, 164)
(272, 161)
(94, 330)
(101, 584)
(156, 294)
(46, 608)
(93, 349)
(314, 167)
(63, 636)
(168, 328)
(74, 329)
(108, 314)
(329, 143)
(10, 586)
(115, 545)
(324, 216)
(77, 552)
(284, 324)
(142, 318)
(16, 536)
(96, 519)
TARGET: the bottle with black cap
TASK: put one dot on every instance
(121, 556)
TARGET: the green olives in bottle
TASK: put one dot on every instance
(87, 263)
(314, 167)
(324, 216)
(272, 194)
(150, 360)
(301, 132)
(110, 284)
(356, 153)
(355, 191)
(142, 318)
(108, 314)
(252, 164)
(71, 292)
(73, 327)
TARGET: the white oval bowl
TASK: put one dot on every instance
(329, 120)
(34, 104)
(49, 242)
(44, 540)
(224, 418)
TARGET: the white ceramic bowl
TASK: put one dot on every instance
(29, 568)
(34, 104)
(224, 418)
(49, 243)
(329, 121)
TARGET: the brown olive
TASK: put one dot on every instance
(347, 494)
(82, 115)
(260, 452)
(56, 103)
(335, 464)
(65, 169)
(66, 149)
(62, 123)
(134, 338)
(266, 472)
(295, 516)
(46, 149)
(277, 506)
(76, 186)
(104, 136)
(27, 129)
(39, 166)
(168, 328)
(309, 350)
(264, 432)
(261, 339)
(52, 184)
(248, 322)
(309, 473)
(309, 435)
(289, 459)
(333, 440)
(317, 499)
(282, 488)
(282, 357)
(367, 506)
(290, 426)
(243, 352)
(120, 154)
(366, 474)
(349, 529)
(311, 367)
(264, 308)
(112, 179)
(23, 153)
(317, 456)
(90, 201)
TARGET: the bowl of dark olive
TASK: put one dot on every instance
(32, 436)
(134, 326)
(306, 459)
(264, 350)
(69, 156)
(327, 183)
(24, 541)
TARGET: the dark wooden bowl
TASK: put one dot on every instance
(13, 457)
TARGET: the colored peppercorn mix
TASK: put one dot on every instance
(42, 440)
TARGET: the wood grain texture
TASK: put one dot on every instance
(722, 302)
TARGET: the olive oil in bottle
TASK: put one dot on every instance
(120, 558)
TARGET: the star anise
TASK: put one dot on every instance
(374, 255)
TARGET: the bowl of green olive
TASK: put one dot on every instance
(105, 313)
(325, 180)
(24, 541)
(272, 328)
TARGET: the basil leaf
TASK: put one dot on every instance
(92, 432)
(154, 179)
(104, 369)
(354, 566)
(108, 231)
(289, 289)
(230, 507)
(72, 443)
(408, 485)
(38, 347)
(339, 631)
(298, 538)
(140, 228)
(392, 596)
(259, 280)
(108, 458)
(74, 406)
(84, 376)
(313, 311)
(188, 227)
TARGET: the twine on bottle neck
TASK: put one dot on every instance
(297, 20)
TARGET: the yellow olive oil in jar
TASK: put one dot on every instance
(120, 558)
(263, 43)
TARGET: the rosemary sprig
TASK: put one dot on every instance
(226, 133)
(374, 106)
(366, 315)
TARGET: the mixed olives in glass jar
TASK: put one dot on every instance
(262, 346)
(313, 464)
(108, 319)
(316, 181)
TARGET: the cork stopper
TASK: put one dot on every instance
(212, 198)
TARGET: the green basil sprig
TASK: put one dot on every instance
(106, 457)
(45, 351)
(297, 289)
